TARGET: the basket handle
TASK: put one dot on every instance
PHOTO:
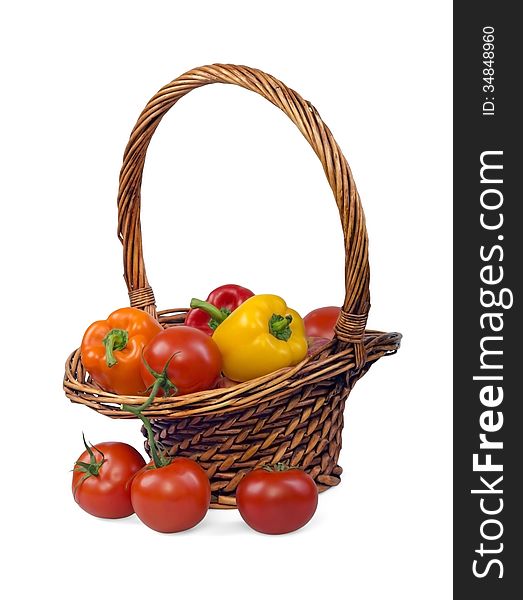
(351, 324)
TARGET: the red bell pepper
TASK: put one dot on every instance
(226, 298)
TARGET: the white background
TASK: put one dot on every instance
(232, 192)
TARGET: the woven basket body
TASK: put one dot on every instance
(294, 414)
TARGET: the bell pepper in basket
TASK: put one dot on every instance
(261, 336)
(111, 350)
(225, 298)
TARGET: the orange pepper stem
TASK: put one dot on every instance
(116, 339)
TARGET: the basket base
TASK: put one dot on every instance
(303, 430)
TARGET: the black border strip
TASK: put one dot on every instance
(488, 256)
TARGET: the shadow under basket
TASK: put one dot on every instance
(294, 414)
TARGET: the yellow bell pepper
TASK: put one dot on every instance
(260, 336)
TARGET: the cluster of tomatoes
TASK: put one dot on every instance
(111, 480)
(231, 337)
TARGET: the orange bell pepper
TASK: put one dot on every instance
(111, 350)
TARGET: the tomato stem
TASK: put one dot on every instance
(163, 382)
(90, 469)
(116, 339)
(158, 460)
(280, 466)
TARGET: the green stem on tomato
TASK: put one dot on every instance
(161, 382)
(280, 466)
(157, 460)
(116, 339)
(157, 385)
(90, 469)
(214, 312)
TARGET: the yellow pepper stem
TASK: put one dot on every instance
(279, 327)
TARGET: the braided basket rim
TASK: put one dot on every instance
(327, 362)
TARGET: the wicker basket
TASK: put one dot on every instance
(294, 414)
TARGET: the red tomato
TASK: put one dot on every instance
(195, 363)
(171, 498)
(320, 322)
(277, 501)
(102, 477)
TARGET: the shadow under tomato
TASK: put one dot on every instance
(216, 523)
